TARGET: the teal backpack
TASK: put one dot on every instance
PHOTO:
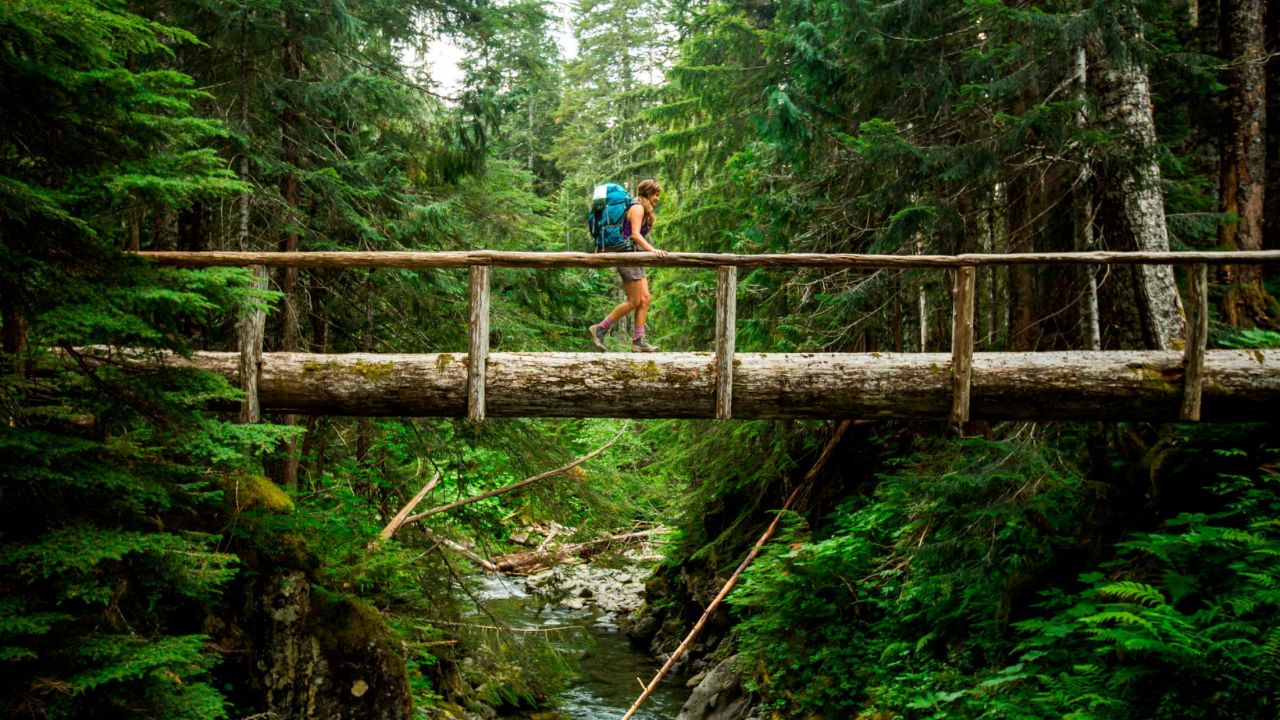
(609, 205)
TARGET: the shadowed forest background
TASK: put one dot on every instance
(162, 560)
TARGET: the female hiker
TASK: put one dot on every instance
(635, 283)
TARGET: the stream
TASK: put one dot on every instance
(606, 664)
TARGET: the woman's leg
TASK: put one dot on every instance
(626, 306)
(598, 331)
(638, 296)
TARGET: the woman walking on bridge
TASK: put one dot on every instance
(635, 283)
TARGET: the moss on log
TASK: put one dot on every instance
(1066, 385)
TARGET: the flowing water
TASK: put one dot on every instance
(607, 665)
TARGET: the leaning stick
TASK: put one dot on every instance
(514, 485)
(463, 551)
(399, 519)
(733, 579)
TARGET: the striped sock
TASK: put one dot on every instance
(639, 333)
(605, 324)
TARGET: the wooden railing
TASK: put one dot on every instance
(727, 265)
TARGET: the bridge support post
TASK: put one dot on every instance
(250, 333)
(1197, 341)
(477, 341)
(962, 342)
(726, 336)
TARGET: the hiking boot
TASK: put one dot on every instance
(640, 344)
(597, 336)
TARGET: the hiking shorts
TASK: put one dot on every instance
(632, 273)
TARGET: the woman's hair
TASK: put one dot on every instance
(646, 189)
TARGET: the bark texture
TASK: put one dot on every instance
(1067, 385)
(250, 335)
(1131, 213)
(726, 339)
(1244, 159)
(1271, 230)
(962, 343)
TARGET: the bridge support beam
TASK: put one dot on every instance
(962, 344)
(250, 333)
(1197, 339)
(477, 341)
(1067, 385)
(726, 338)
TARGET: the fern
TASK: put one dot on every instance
(1133, 592)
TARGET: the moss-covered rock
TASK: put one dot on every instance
(321, 657)
(246, 491)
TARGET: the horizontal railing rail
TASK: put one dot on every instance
(409, 260)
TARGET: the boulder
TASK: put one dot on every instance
(319, 658)
(719, 696)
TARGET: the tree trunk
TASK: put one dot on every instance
(1131, 209)
(1082, 217)
(192, 236)
(135, 228)
(1271, 230)
(290, 190)
(1021, 286)
(1065, 385)
(242, 232)
(1020, 238)
(165, 229)
(290, 133)
(13, 318)
(1243, 163)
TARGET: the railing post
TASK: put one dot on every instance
(1197, 341)
(962, 343)
(477, 341)
(250, 334)
(726, 335)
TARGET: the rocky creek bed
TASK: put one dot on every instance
(598, 597)
(594, 598)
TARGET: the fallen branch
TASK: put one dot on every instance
(514, 486)
(463, 551)
(525, 562)
(733, 579)
(399, 519)
(499, 628)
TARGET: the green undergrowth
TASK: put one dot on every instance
(1054, 571)
(453, 642)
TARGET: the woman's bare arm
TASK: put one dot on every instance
(636, 215)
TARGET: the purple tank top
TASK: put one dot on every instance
(626, 230)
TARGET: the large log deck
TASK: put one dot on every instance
(1078, 385)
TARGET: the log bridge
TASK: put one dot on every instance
(1188, 385)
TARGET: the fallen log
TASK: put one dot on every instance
(1061, 385)
(525, 563)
